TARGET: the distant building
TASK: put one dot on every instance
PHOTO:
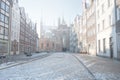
(49, 43)
(63, 33)
(5, 21)
(56, 40)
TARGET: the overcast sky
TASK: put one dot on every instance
(51, 10)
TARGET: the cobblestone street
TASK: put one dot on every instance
(64, 66)
(58, 66)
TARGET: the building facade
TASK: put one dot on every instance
(73, 39)
(22, 30)
(118, 27)
(15, 28)
(56, 40)
(106, 28)
(63, 33)
(84, 33)
(28, 34)
(5, 27)
(50, 43)
(91, 28)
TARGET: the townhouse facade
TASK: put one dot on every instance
(28, 34)
(91, 28)
(106, 28)
(22, 30)
(73, 39)
(84, 33)
(118, 27)
(5, 27)
(15, 28)
(76, 29)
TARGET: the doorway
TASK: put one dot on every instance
(111, 48)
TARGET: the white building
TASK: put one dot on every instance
(91, 28)
(106, 29)
(5, 20)
(118, 26)
(15, 28)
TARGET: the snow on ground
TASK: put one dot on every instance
(55, 67)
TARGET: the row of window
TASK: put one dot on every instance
(104, 44)
(3, 31)
(4, 18)
(108, 2)
(103, 8)
(4, 6)
(102, 26)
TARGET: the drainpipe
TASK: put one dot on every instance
(115, 6)
(9, 31)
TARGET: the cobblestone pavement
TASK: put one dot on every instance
(59, 66)
(21, 59)
(102, 68)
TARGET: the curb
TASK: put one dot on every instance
(89, 71)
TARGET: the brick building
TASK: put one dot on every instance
(28, 34)
(22, 30)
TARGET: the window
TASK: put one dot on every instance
(7, 8)
(6, 31)
(98, 14)
(42, 45)
(3, 5)
(104, 45)
(99, 45)
(118, 13)
(1, 30)
(47, 44)
(2, 17)
(53, 45)
(98, 27)
(108, 3)
(6, 20)
(110, 22)
(97, 2)
(103, 23)
(103, 8)
(110, 41)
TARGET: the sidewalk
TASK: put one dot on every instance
(102, 68)
(21, 59)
